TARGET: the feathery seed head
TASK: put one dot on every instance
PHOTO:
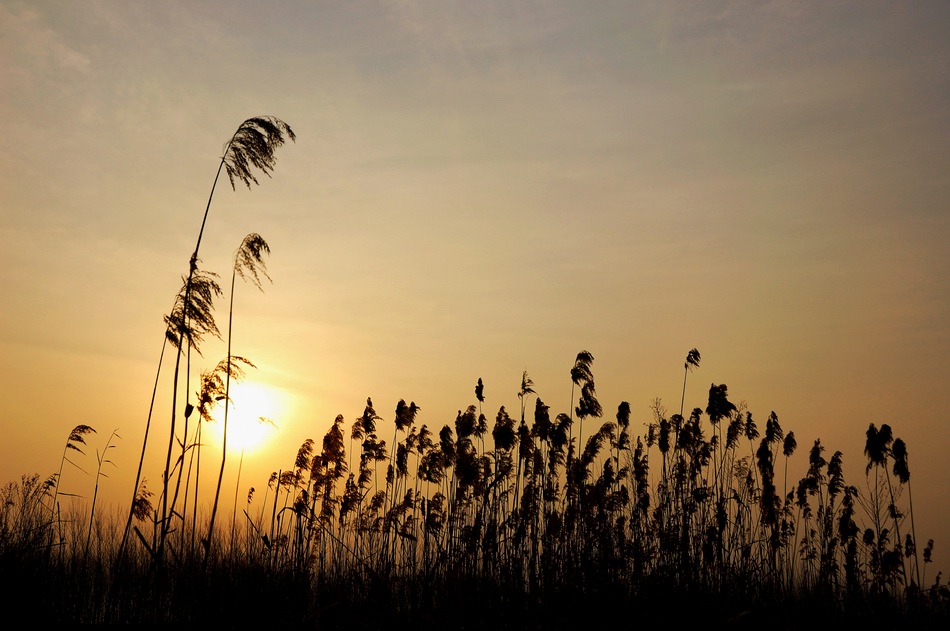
(76, 437)
(249, 261)
(527, 386)
(899, 452)
(789, 445)
(692, 360)
(253, 145)
(193, 322)
(719, 406)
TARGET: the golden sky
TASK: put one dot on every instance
(479, 189)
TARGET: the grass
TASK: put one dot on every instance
(523, 521)
(522, 532)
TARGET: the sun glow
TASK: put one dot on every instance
(250, 415)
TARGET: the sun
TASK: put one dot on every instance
(250, 415)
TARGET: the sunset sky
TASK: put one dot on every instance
(478, 189)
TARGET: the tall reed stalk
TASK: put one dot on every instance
(252, 146)
(250, 266)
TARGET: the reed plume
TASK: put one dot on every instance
(692, 361)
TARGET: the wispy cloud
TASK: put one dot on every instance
(33, 48)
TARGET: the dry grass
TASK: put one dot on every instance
(519, 528)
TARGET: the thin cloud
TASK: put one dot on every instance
(33, 48)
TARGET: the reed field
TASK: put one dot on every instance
(520, 517)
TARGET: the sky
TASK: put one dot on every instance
(477, 190)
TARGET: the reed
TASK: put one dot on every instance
(249, 265)
(453, 526)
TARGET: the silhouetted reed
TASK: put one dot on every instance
(252, 146)
(250, 266)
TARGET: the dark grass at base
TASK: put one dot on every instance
(247, 594)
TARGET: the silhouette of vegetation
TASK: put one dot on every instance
(250, 266)
(252, 146)
(435, 523)
(478, 524)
